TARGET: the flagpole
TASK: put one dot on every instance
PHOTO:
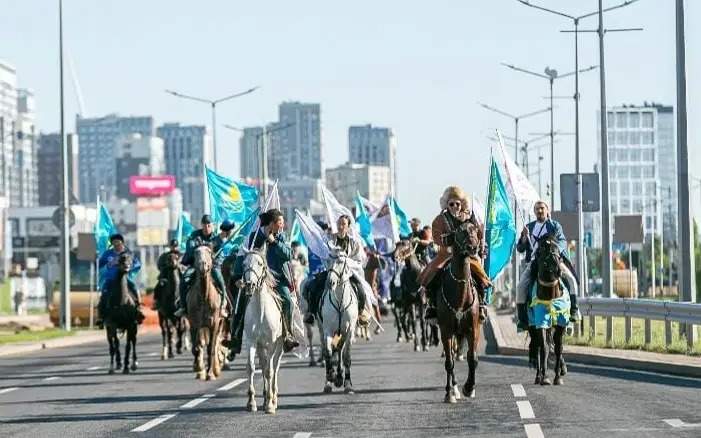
(514, 260)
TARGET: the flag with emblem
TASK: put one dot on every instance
(500, 226)
(400, 218)
(362, 218)
(104, 228)
(185, 228)
(229, 199)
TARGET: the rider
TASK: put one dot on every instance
(203, 236)
(352, 249)
(278, 253)
(455, 212)
(163, 268)
(528, 243)
(109, 260)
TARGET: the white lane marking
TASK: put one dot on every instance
(533, 431)
(152, 354)
(302, 435)
(48, 379)
(153, 423)
(197, 401)
(232, 385)
(518, 390)
(676, 422)
(525, 410)
(92, 368)
(6, 390)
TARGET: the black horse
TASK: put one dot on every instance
(165, 294)
(412, 304)
(122, 315)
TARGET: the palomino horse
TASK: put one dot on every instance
(122, 315)
(339, 317)
(549, 308)
(413, 305)
(204, 312)
(165, 292)
(458, 311)
(262, 330)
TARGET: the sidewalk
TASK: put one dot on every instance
(27, 322)
(511, 343)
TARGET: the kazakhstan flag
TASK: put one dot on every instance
(402, 219)
(104, 228)
(229, 199)
(362, 218)
(500, 226)
(185, 228)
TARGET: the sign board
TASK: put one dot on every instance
(569, 223)
(86, 247)
(41, 227)
(590, 192)
(152, 221)
(57, 219)
(628, 228)
(18, 242)
(43, 242)
(148, 236)
(151, 185)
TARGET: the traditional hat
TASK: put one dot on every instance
(454, 192)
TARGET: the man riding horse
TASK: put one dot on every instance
(203, 236)
(528, 244)
(270, 235)
(109, 270)
(455, 212)
(351, 248)
(164, 269)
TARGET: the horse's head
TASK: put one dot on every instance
(203, 259)
(339, 271)
(548, 258)
(124, 262)
(173, 260)
(255, 269)
(466, 239)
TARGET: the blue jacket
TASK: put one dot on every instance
(552, 227)
(277, 255)
(108, 265)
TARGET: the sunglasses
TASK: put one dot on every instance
(454, 204)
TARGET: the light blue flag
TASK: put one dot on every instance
(500, 227)
(239, 235)
(185, 228)
(401, 218)
(229, 199)
(362, 218)
(104, 228)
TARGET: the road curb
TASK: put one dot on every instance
(608, 360)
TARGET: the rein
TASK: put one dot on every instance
(459, 314)
(342, 283)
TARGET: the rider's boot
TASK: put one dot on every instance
(310, 295)
(289, 343)
(522, 315)
(182, 301)
(363, 314)
(574, 309)
(234, 344)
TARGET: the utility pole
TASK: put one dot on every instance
(65, 206)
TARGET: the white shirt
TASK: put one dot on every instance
(539, 230)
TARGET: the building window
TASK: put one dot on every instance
(634, 137)
(633, 120)
(622, 154)
(625, 188)
(613, 187)
(650, 189)
(648, 137)
(635, 172)
(648, 154)
(635, 155)
(637, 188)
(647, 120)
(623, 171)
(609, 119)
(611, 138)
(621, 137)
(648, 171)
(625, 205)
(621, 120)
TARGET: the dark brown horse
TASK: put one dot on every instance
(122, 315)
(549, 309)
(412, 304)
(165, 294)
(458, 311)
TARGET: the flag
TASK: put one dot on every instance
(521, 189)
(478, 209)
(229, 199)
(334, 209)
(385, 224)
(370, 206)
(500, 226)
(183, 232)
(235, 241)
(104, 228)
(313, 235)
(401, 220)
(362, 218)
(272, 200)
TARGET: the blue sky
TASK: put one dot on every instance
(418, 67)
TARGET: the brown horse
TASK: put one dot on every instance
(122, 315)
(204, 306)
(412, 305)
(458, 311)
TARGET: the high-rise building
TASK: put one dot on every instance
(137, 155)
(8, 117)
(23, 187)
(642, 165)
(374, 146)
(49, 163)
(96, 158)
(297, 149)
(249, 152)
(372, 182)
(187, 150)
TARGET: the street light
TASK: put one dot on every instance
(550, 75)
(213, 104)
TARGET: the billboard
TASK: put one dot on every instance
(152, 221)
(590, 192)
(151, 185)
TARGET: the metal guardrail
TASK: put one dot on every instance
(687, 314)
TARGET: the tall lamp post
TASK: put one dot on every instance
(64, 208)
(213, 104)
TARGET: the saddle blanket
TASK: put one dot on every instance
(546, 313)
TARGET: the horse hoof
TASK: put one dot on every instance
(270, 410)
(125, 371)
(425, 348)
(338, 382)
(468, 392)
(312, 363)
(461, 358)
(348, 388)
(559, 381)
(399, 340)
(328, 389)
(110, 371)
(563, 369)
(450, 398)
(118, 365)
(251, 407)
(546, 382)
(163, 356)
(170, 355)
(417, 348)
(456, 392)
(537, 380)
(134, 367)
(200, 376)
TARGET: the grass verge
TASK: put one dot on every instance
(10, 337)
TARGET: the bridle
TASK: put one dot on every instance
(253, 286)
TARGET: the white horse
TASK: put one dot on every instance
(262, 331)
(339, 315)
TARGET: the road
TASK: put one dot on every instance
(399, 393)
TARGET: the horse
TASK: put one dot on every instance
(165, 292)
(204, 314)
(339, 317)
(458, 311)
(263, 330)
(122, 315)
(549, 308)
(413, 305)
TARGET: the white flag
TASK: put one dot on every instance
(520, 187)
(334, 209)
(313, 235)
(384, 224)
(271, 201)
(370, 206)
(478, 209)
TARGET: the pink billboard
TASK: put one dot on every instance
(151, 185)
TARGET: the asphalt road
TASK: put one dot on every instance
(399, 393)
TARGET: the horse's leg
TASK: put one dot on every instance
(117, 352)
(163, 324)
(447, 340)
(557, 338)
(170, 326)
(134, 362)
(533, 348)
(201, 348)
(127, 352)
(543, 356)
(277, 356)
(251, 368)
(473, 337)
(339, 362)
(328, 386)
(216, 345)
(551, 349)
(110, 343)
(397, 323)
(422, 322)
(212, 353)
(348, 383)
(179, 334)
(309, 331)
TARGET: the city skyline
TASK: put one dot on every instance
(447, 72)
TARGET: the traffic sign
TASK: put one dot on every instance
(58, 220)
(590, 192)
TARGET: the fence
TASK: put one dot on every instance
(687, 314)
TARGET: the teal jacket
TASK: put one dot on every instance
(278, 255)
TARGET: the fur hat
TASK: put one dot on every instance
(454, 192)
